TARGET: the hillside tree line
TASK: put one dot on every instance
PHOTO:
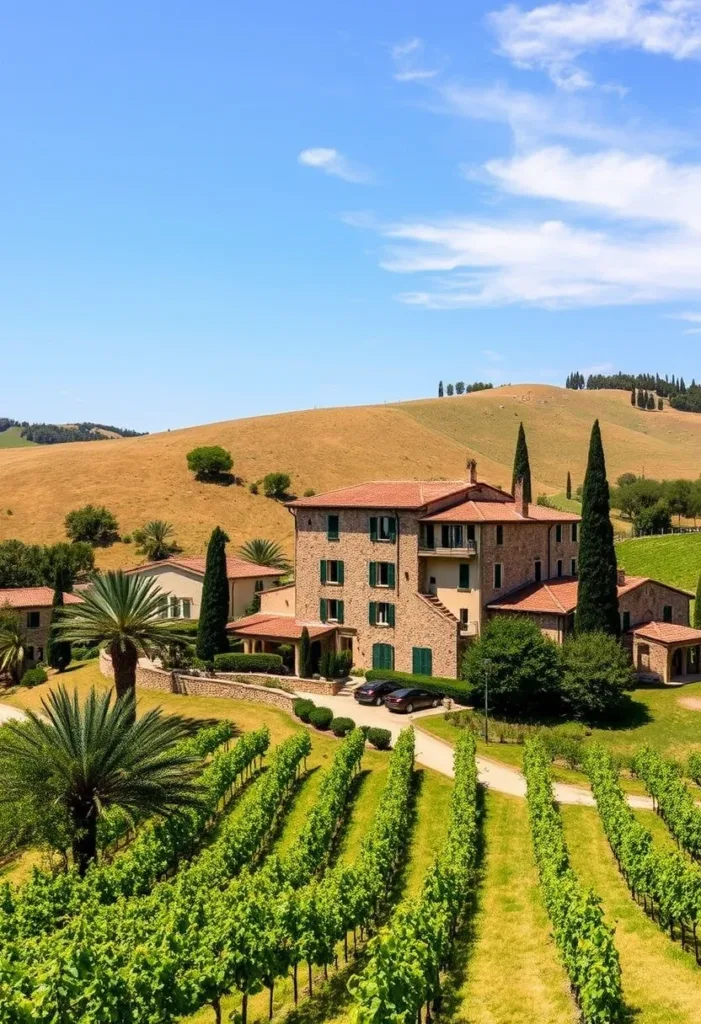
(646, 388)
(54, 433)
(461, 388)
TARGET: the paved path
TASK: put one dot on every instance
(437, 754)
(8, 713)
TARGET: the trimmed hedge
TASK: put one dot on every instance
(303, 708)
(229, 662)
(460, 692)
(321, 718)
(34, 676)
(342, 726)
(380, 738)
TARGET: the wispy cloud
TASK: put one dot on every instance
(552, 36)
(691, 318)
(330, 161)
(492, 356)
(408, 57)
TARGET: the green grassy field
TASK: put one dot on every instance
(675, 559)
(12, 438)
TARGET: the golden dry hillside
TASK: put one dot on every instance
(145, 478)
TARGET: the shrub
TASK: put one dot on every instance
(523, 665)
(185, 627)
(84, 653)
(303, 708)
(228, 662)
(342, 726)
(209, 462)
(595, 675)
(309, 493)
(321, 718)
(34, 676)
(359, 673)
(276, 485)
(253, 488)
(126, 539)
(93, 524)
(457, 690)
(326, 664)
(380, 738)
(344, 661)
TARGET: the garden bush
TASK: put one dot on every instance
(34, 676)
(321, 718)
(93, 524)
(596, 672)
(79, 653)
(342, 726)
(229, 662)
(460, 692)
(380, 738)
(276, 485)
(303, 708)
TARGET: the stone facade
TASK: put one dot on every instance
(35, 623)
(523, 545)
(648, 601)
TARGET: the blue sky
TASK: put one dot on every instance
(216, 210)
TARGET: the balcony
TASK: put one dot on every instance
(467, 550)
(469, 629)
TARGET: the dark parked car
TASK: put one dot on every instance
(412, 699)
(375, 692)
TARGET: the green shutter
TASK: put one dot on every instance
(372, 613)
(322, 570)
(390, 575)
(390, 657)
(341, 573)
(393, 529)
(422, 661)
(322, 609)
(464, 581)
(339, 606)
(373, 527)
(332, 527)
(383, 656)
(372, 573)
(390, 614)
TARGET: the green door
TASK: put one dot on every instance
(383, 656)
(422, 661)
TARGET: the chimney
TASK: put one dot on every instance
(471, 471)
(620, 577)
(520, 499)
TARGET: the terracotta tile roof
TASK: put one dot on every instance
(385, 494)
(236, 568)
(276, 627)
(499, 512)
(667, 633)
(33, 597)
(557, 596)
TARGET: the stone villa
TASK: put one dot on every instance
(406, 573)
(33, 606)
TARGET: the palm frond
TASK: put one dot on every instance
(264, 552)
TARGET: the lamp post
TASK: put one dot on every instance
(487, 671)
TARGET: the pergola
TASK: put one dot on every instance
(265, 632)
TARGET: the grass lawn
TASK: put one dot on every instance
(12, 438)
(675, 559)
(661, 983)
(508, 971)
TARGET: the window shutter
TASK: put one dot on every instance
(332, 527)
(373, 527)
(464, 580)
(390, 614)
(322, 609)
(393, 529)
(322, 570)
(340, 572)
(372, 573)
(373, 613)
(390, 575)
(339, 616)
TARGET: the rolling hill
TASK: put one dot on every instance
(143, 478)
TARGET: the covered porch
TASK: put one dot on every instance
(667, 652)
(272, 634)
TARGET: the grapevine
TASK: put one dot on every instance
(671, 797)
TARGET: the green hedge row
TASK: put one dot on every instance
(461, 693)
(248, 663)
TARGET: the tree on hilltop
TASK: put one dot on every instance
(210, 463)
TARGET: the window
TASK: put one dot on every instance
(332, 527)
(500, 534)
(625, 622)
(537, 570)
(558, 533)
(573, 567)
(575, 532)
(330, 610)
(452, 537)
(383, 656)
(464, 618)
(331, 571)
(464, 576)
(383, 528)
(258, 586)
(382, 574)
(33, 620)
(186, 608)
(422, 661)
(381, 613)
(667, 613)
(559, 567)
(497, 576)
(428, 536)
(471, 533)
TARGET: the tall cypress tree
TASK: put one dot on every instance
(697, 606)
(305, 655)
(568, 488)
(522, 467)
(440, 388)
(214, 613)
(58, 653)
(597, 601)
(632, 395)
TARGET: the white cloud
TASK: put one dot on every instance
(692, 318)
(330, 161)
(552, 36)
(407, 57)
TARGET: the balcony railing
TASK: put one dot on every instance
(469, 629)
(466, 550)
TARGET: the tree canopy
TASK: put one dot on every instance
(93, 524)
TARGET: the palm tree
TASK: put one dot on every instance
(78, 760)
(12, 646)
(123, 614)
(264, 552)
(156, 540)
